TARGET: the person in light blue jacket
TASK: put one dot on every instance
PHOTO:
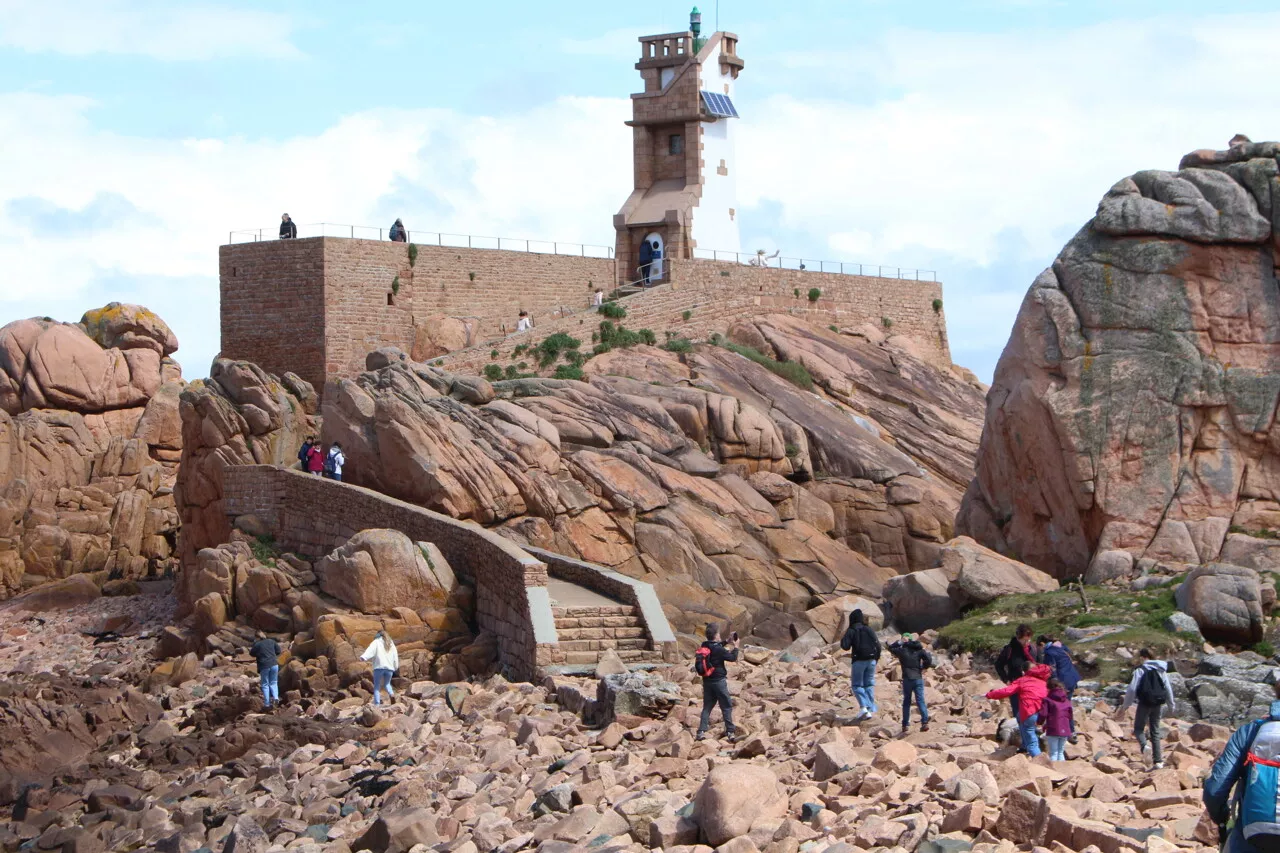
(1232, 770)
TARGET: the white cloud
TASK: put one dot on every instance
(991, 152)
(161, 30)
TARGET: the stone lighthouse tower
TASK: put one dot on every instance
(684, 194)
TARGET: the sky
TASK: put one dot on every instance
(967, 138)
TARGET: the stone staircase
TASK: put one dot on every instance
(585, 632)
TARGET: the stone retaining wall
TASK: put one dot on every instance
(312, 516)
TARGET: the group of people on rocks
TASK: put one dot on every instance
(313, 459)
(289, 230)
(381, 652)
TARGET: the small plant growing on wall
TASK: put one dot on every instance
(686, 315)
(413, 254)
(814, 294)
(613, 311)
(937, 306)
(395, 285)
(471, 276)
(886, 322)
(492, 372)
(493, 354)
(796, 292)
(833, 328)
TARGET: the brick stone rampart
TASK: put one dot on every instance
(318, 306)
(312, 516)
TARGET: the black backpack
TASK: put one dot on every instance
(1151, 687)
(866, 645)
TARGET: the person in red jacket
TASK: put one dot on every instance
(315, 458)
(1031, 689)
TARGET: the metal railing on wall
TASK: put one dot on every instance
(426, 238)
(812, 265)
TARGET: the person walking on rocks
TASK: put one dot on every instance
(1058, 657)
(397, 233)
(334, 461)
(915, 660)
(287, 229)
(1030, 690)
(386, 660)
(1250, 763)
(709, 663)
(1059, 719)
(1014, 660)
(865, 647)
(266, 651)
(1150, 690)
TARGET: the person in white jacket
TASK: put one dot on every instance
(386, 660)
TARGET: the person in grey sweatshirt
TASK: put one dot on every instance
(1150, 691)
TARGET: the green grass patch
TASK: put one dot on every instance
(613, 311)
(492, 372)
(569, 371)
(678, 345)
(549, 350)
(792, 371)
(265, 550)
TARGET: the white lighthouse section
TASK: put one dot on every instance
(715, 222)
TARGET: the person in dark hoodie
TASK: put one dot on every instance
(266, 651)
(1248, 764)
(1151, 691)
(304, 453)
(709, 663)
(1014, 660)
(865, 646)
(915, 660)
(397, 233)
(287, 229)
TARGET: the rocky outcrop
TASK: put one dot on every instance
(377, 571)
(89, 443)
(1134, 407)
(1226, 602)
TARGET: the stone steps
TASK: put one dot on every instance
(601, 643)
(585, 632)
(630, 632)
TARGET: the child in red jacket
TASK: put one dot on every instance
(1031, 690)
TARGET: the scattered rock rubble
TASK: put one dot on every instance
(499, 766)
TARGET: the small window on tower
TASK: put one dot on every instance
(675, 144)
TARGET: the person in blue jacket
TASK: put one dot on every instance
(1232, 767)
(1058, 657)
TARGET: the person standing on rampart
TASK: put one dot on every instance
(287, 229)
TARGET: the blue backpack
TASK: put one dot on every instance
(1259, 819)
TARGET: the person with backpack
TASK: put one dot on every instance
(865, 647)
(397, 233)
(1030, 690)
(709, 663)
(334, 461)
(1249, 763)
(914, 660)
(1014, 660)
(305, 451)
(1059, 719)
(266, 651)
(386, 660)
(1150, 690)
(1058, 657)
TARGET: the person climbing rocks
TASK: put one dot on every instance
(646, 262)
(397, 233)
(1150, 691)
(1030, 690)
(315, 458)
(1248, 763)
(1058, 658)
(914, 660)
(334, 461)
(386, 660)
(864, 645)
(287, 229)
(266, 651)
(525, 323)
(1058, 718)
(709, 663)
(304, 452)
(1015, 659)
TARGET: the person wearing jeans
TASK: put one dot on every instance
(1058, 719)
(1031, 690)
(865, 647)
(713, 655)
(914, 660)
(386, 660)
(266, 652)
(1150, 691)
